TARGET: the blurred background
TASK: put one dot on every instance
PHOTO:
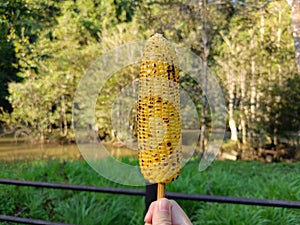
(252, 47)
(46, 47)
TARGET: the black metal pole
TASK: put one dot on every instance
(28, 221)
(151, 193)
(73, 187)
(235, 200)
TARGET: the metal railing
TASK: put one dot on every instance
(149, 193)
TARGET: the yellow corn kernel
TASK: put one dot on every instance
(159, 126)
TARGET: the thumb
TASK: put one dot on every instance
(162, 213)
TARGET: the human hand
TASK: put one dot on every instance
(166, 212)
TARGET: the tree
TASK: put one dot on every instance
(295, 15)
(254, 56)
(53, 64)
(46, 47)
(15, 22)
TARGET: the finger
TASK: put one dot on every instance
(149, 214)
(179, 217)
(162, 213)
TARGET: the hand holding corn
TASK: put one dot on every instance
(159, 126)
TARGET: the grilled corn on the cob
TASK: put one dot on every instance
(159, 126)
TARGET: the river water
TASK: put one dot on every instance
(12, 150)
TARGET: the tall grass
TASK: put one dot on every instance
(244, 179)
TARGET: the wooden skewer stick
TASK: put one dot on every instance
(161, 190)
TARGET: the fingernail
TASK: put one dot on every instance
(163, 205)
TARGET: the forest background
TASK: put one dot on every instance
(47, 45)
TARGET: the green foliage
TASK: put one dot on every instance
(243, 179)
(47, 46)
(254, 63)
(7, 73)
(283, 111)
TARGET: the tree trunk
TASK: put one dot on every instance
(252, 95)
(243, 108)
(252, 83)
(206, 49)
(64, 116)
(232, 124)
(278, 100)
(295, 9)
(253, 92)
(203, 122)
(231, 86)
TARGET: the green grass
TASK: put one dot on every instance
(240, 178)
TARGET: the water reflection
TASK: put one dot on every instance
(10, 150)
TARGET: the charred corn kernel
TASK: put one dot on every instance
(159, 126)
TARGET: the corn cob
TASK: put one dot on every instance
(159, 126)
